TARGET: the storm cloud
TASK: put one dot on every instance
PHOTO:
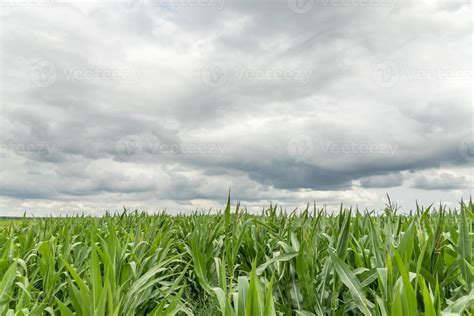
(169, 104)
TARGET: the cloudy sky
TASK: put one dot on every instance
(156, 104)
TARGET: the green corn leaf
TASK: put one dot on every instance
(5, 286)
(351, 281)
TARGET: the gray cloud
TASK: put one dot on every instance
(385, 181)
(443, 181)
(182, 102)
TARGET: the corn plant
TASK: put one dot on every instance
(238, 263)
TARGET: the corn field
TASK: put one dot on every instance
(308, 262)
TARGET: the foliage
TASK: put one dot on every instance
(236, 263)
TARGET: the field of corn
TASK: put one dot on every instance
(309, 262)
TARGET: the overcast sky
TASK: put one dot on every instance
(159, 104)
